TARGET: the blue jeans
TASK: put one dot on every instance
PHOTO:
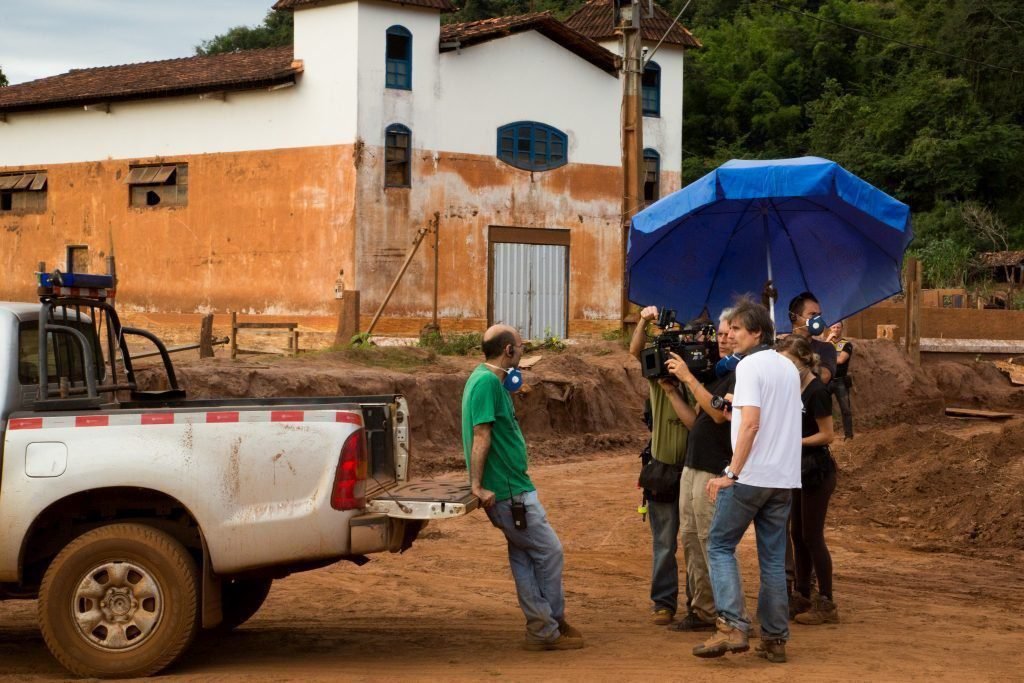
(535, 554)
(665, 569)
(768, 509)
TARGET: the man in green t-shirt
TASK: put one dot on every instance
(671, 418)
(497, 462)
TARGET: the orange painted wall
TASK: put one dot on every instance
(263, 231)
(266, 232)
(470, 193)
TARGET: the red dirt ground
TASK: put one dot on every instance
(925, 529)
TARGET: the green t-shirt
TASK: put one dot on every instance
(668, 434)
(485, 400)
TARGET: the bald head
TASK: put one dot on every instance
(498, 339)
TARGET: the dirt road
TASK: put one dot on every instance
(447, 610)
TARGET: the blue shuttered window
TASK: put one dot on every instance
(532, 146)
(652, 176)
(397, 156)
(651, 95)
(399, 58)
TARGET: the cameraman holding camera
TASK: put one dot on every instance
(708, 451)
(672, 417)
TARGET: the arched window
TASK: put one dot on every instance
(652, 90)
(532, 146)
(399, 58)
(397, 156)
(652, 176)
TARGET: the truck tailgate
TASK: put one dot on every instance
(424, 499)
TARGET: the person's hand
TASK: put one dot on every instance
(667, 383)
(487, 498)
(717, 484)
(677, 366)
(649, 313)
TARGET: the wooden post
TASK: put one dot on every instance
(206, 337)
(437, 266)
(398, 278)
(234, 334)
(348, 318)
(632, 135)
(912, 327)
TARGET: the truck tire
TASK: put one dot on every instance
(119, 601)
(241, 599)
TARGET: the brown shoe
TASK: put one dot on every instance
(568, 630)
(725, 639)
(824, 611)
(662, 616)
(562, 642)
(798, 604)
(772, 649)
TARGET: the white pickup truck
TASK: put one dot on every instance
(138, 518)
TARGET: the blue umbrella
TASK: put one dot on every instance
(807, 224)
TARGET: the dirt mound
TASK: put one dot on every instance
(950, 485)
(568, 405)
(887, 389)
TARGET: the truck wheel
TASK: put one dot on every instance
(119, 601)
(241, 599)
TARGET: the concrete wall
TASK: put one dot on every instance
(262, 232)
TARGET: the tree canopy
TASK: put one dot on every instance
(3, 79)
(275, 31)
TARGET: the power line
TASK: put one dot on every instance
(896, 41)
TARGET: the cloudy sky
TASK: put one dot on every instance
(46, 37)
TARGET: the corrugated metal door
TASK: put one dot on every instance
(529, 288)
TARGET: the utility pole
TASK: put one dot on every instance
(627, 22)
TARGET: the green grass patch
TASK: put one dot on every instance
(452, 344)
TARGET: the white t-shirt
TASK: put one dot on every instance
(770, 381)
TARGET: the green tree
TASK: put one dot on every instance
(276, 30)
(3, 79)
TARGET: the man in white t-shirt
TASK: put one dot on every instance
(755, 487)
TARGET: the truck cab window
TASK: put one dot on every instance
(64, 355)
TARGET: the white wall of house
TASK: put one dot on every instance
(319, 110)
(527, 77)
(664, 134)
(380, 106)
(458, 101)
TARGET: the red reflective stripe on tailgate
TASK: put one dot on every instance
(92, 421)
(25, 423)
(222, 417)
(158, 419)
(287, 415)
(349, 417)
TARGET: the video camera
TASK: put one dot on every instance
(695, 343)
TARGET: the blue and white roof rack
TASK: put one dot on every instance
(78, 285)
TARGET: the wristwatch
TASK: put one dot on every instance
(730, 474)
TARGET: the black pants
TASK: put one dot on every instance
(807, 528)
(842, 394)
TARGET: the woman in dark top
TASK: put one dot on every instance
(818, 481)
(843, 381)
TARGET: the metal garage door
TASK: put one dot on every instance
(530, 290)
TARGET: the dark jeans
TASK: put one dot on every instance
(736, 507)
(665, 569)
(842, 394)
(810, 507)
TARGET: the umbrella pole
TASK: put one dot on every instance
(768, 257)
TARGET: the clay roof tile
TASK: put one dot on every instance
(596, 21)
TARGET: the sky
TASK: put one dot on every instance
(46, 37)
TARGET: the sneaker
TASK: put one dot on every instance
(772, 649)
(726, 639)
(798, 604)
(562, 642)
(568, 630)
(691, 622)
(824, 611)
(662, 616)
